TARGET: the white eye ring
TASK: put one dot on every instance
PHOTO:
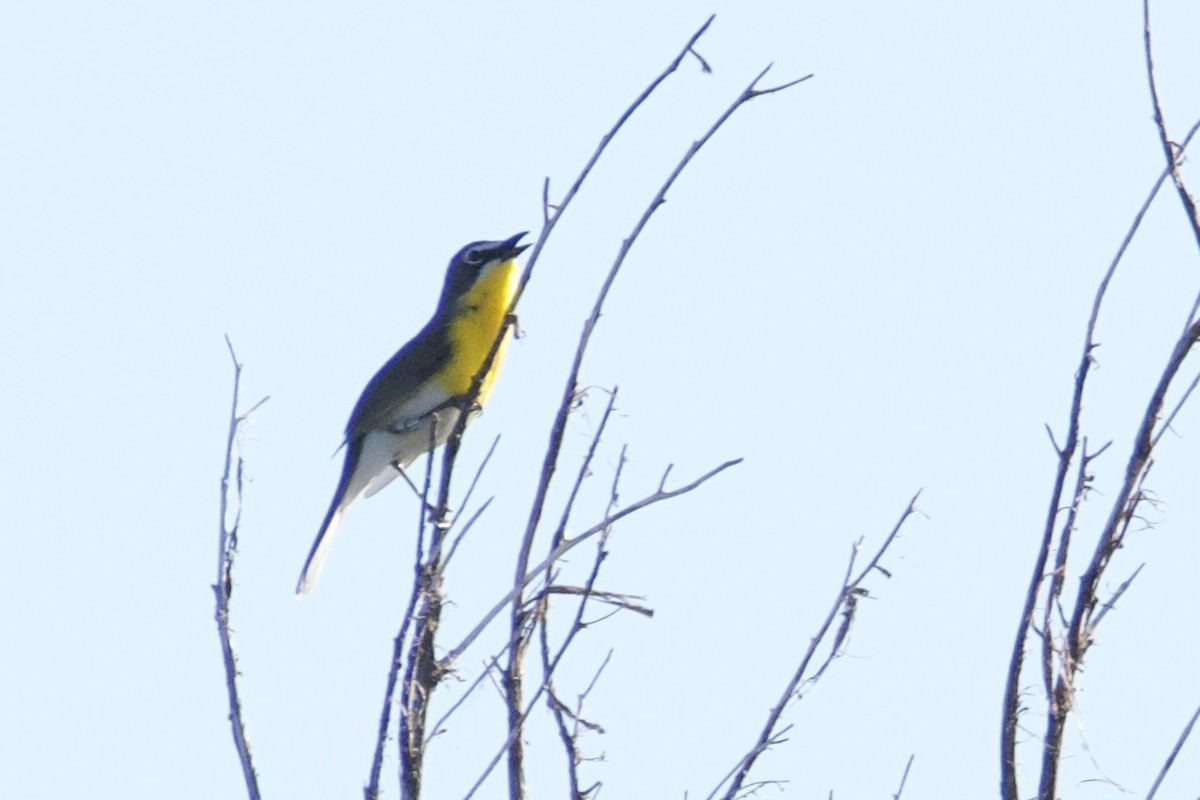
(474, 256)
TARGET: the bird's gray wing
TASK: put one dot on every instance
(399, 380)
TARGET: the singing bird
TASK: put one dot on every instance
(419, 391)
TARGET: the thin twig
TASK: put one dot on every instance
(846, 597)
(569, 737)
(569, 544)
(1166, 767)
(491, 665)
(1171, 152)
(1166, 425)
(466, 528)
(227, 537)
(584, 468)
(904, 778)
(1112, 601)
(566, 546)
(466, 501)
(623, 602)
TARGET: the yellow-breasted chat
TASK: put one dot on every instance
(414, 400)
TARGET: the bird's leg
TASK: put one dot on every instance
(430, 508)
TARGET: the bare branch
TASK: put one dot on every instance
(624, 602)
(547, 563)
(411, 741)
(414, 643)
(227, 537)
(559, 710)
(1166, 425)
(1171, 153)
(904, 778)
(1050, 647)
(489, 666)
(584, 468)
(1125, 502)
(512, 677)
(1166, 767)
(570, 544)
(466, 529)
(1104, 609)
(845, 603)
(466, 501)
(1066, 454)
(371, 790)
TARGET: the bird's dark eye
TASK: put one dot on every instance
(475, 256)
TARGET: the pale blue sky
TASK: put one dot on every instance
(875, 282)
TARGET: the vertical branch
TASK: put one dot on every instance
(431, 610)
(424, 576)
(1050, 648)
(1078, 631)
(512, 679)
(558, 709)
(658, 496)
(511, 673)
(372, 791)
(1012, 692)
(1171, 151)
(422, 671)
(1127, 499)
(227, 536)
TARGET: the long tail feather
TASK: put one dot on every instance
(349, 487)
(320, 549)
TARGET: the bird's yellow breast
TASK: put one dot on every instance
(477, 320)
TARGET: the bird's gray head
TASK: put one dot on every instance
(474, 260)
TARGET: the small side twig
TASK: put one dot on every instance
(547, 563)
(1112, 601)
(570, 544)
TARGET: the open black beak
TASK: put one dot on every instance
(510, 249)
